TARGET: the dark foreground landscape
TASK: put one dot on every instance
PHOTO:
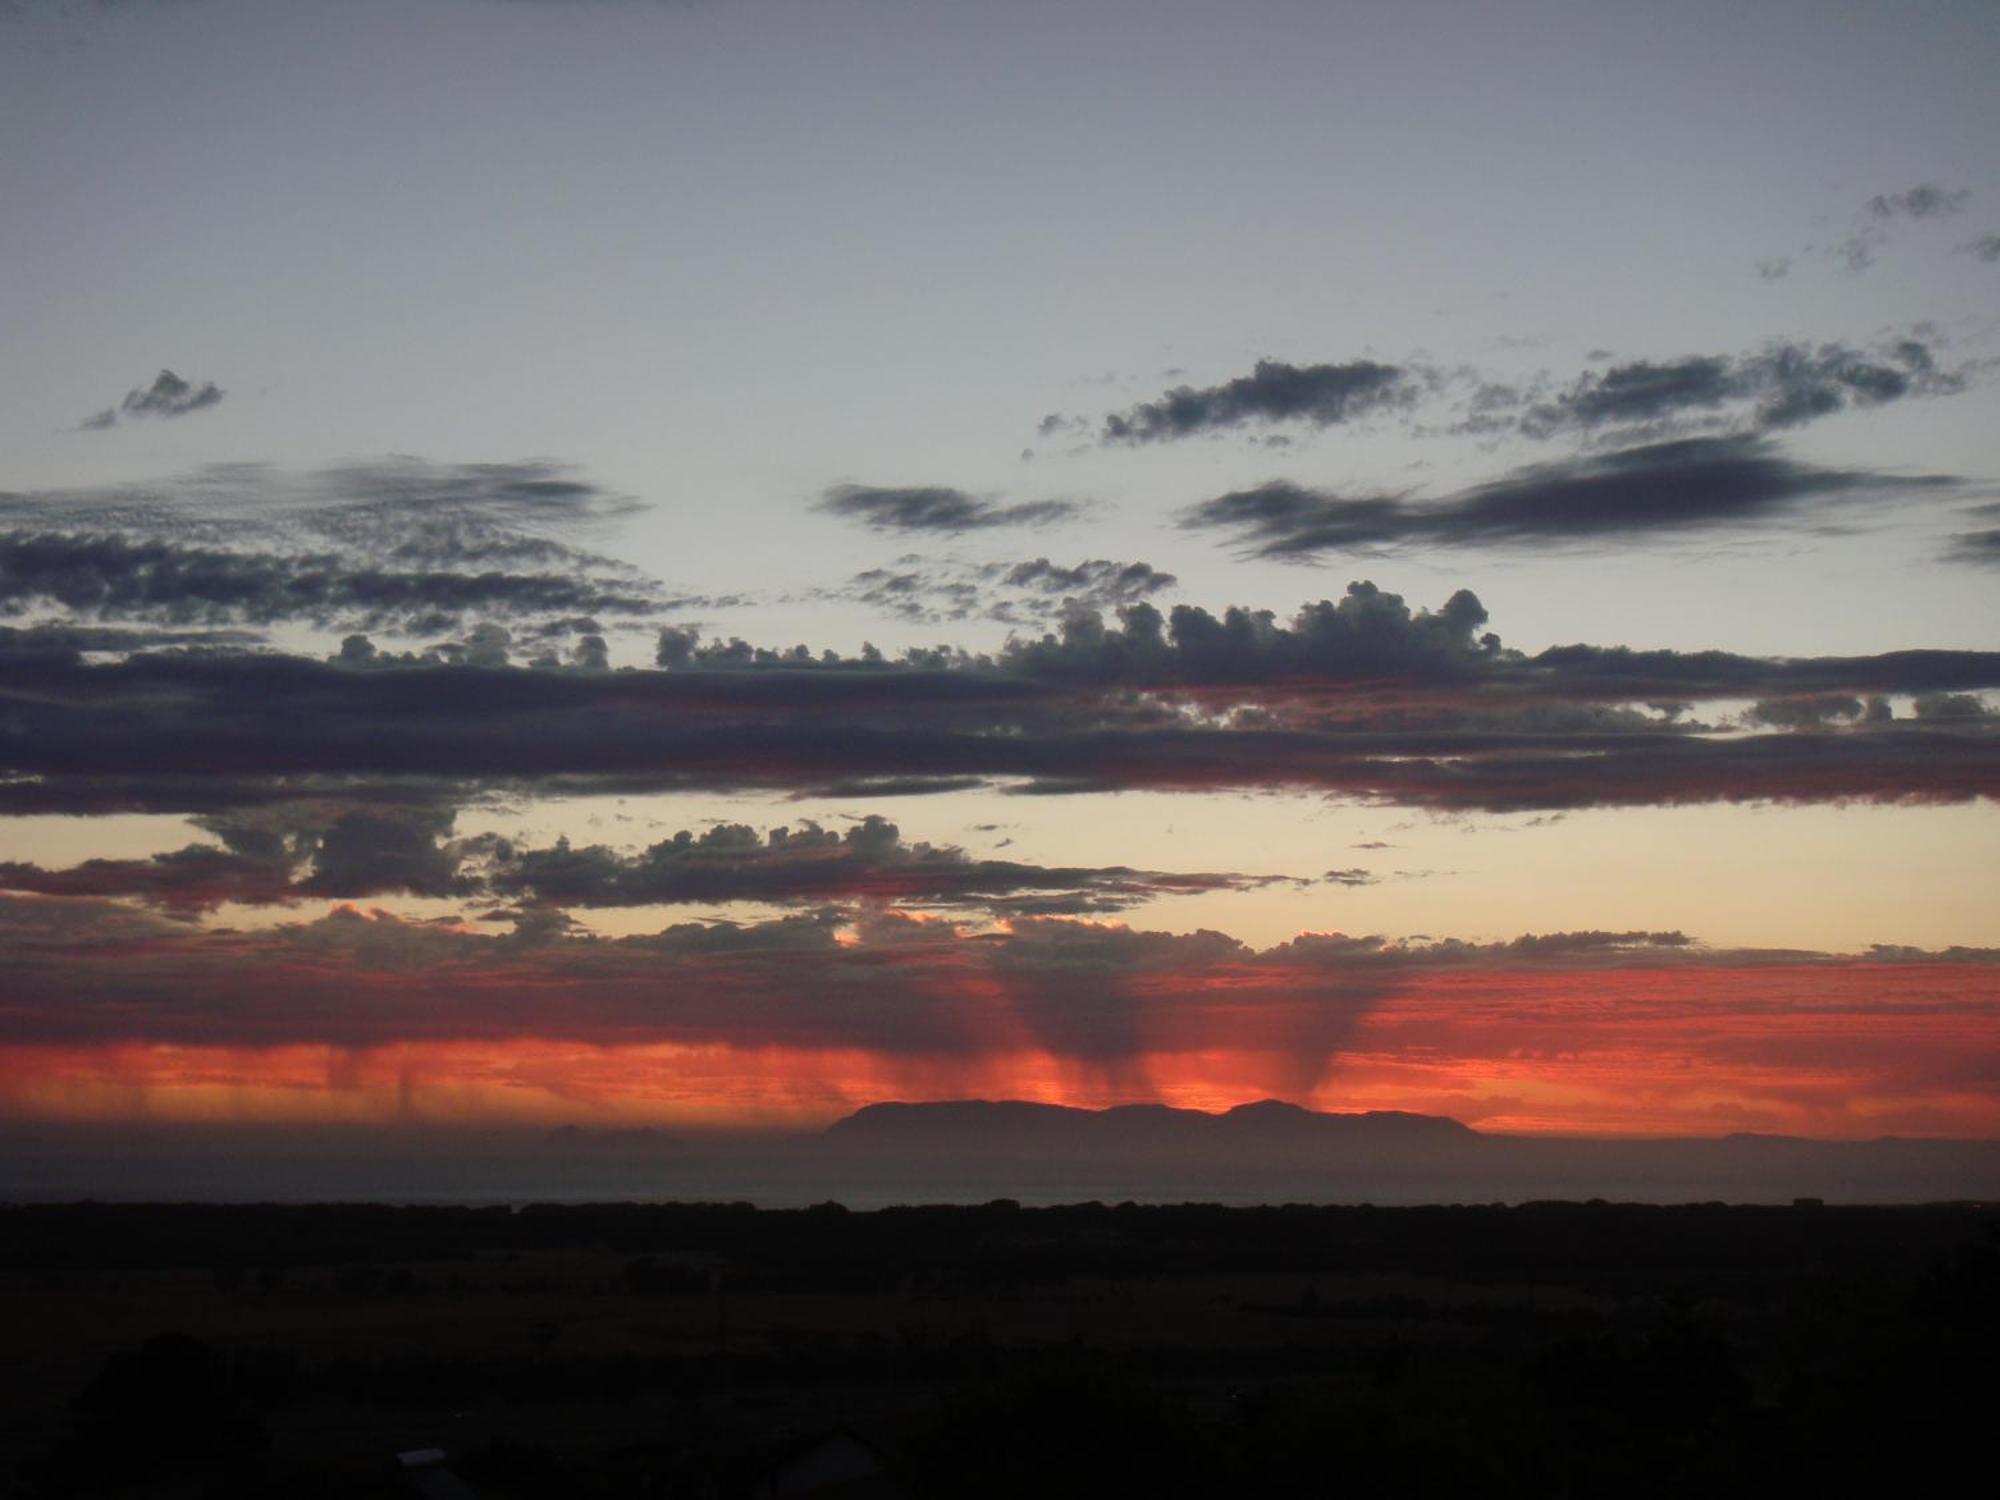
(1540, 1349)
(971, 1150)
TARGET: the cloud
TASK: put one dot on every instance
(734, 862)
(60, 643)
(1096, 581)
(370, 851)
(167, 396)
(1274, 391)
(395, 544)
(383, 507)
(1980, 547)
(111, 577)
(284, 852)
(307, 850)
(1883, 212)
(937, 509)
(183, 880)
(1784, 385)
(1368, 634)
(1925, 201)
(1364, 698)
(1812, 712)
(1037, 590)
(1682, 485)
(1986, 247)
(1104, 1002)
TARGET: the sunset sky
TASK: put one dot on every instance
(704, 563)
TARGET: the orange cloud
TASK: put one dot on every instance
(1836, 1051)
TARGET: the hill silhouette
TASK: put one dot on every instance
(987, 1125)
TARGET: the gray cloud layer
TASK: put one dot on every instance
(1318, 395)
(1681, 485)
(1363, 697)
(329, 848)
(1784, 385)
(938, 509)
(833, 977)
(398, 544)
(1022, 593)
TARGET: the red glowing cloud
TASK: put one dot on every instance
(371, 1018)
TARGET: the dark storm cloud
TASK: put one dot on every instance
(1684, 485)
(1986, 247)
(938, 509)
(167, 396)
(1274, 391)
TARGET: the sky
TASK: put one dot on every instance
(705, 563)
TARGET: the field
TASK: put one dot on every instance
(1547, 1349)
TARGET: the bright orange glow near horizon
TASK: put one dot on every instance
(1835, 1051)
